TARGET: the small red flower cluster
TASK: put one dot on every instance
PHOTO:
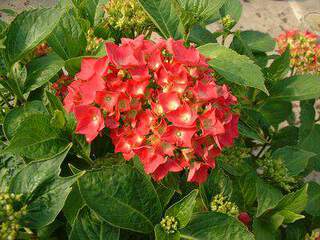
(161, 103)
(304, 50)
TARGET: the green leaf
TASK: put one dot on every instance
(247, 185)
(289, 216)
(160, 234)
(88, 226)
(8, 11)
(267, 197)
(279, 67)
(264, 230)
(286, 136)
(73, 65)
(73, 204)
(16, 116)
(233, 8)
(28, 30)
(200, 35)
(313, 206)
(93, 10)
(215, 226)
(164, 193)
(68, 39)
(234, 67)
(183, 209)
(164, 15)
(36, 138)
(255, 41)
(275, 112)
(307, 118)
(299, 87)
(295, 202)
(198, 11)
(250, 132)
(217, 182)
(296, 160)
(44, 190)
(41, 70)
(311, 142)
(122, 196)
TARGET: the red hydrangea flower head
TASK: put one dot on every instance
(160, 101)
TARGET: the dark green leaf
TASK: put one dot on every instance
(183, 209)
(16, 116)
(72, 205)
(296, 160)
(88, 226)
(29, 29)
(286, 136)
(312, 141)
(36, 138)
(68, 39)
(164, 15)
(93, 10)
(267, 197)
(8, 11)
(247, 186)
(200, 35)
(44, 190)
(313, 206)
(279, 67)
(234, 67)
(215, 226)
(41, 70)
(264, 231)
(276, 112)
(299, 87)
(256, 41)
(307, 118)
(132, 202)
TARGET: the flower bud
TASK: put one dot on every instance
(169, 224)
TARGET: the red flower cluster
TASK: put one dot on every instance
(304, 50)
(160, 101)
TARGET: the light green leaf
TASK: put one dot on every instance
(28, 30)
(68, 39)
(263, 230)
(289, 216)
(183, 209)
(295, 202)
(93, 10)
(160, 234)
(88, 226)
(122, 196)
(215, 226)
(16, 116)
(313, 206)
(234, 67)
(311, 142)
(41, 70)
(299, 87)
(164, 15)
(36, 138)
(267, 197)
(296, 160)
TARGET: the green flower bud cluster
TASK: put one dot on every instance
(275, 171)
(227, 22)
(234, 157)
(220, 204)
(315, 235)
(93, 43)
(169, 224)
(11, 213)
(128, 17)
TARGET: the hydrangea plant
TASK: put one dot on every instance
(131, 120)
